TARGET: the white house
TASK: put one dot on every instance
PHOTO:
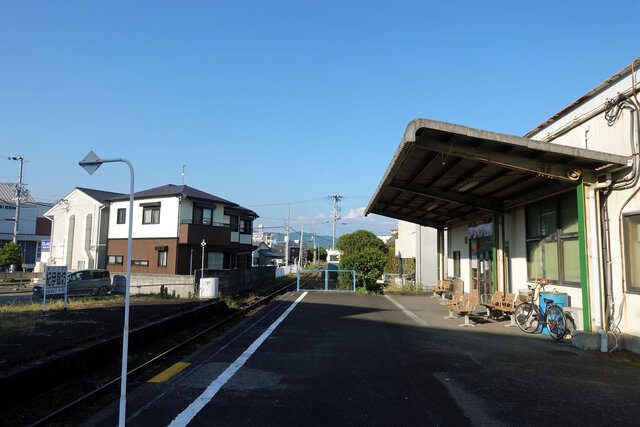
(79, 229)
(170, 223)
(560, 203)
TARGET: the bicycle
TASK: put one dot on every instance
(530, 318)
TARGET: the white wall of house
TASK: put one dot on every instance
(167, 228)
(78, 247)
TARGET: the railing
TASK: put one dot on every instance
(203, 222)
(213, 234)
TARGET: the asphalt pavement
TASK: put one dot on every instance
(347, 359)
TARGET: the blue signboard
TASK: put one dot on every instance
(45, 246)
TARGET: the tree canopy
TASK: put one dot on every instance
(10, 254)
(363, 252)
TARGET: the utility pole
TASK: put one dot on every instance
(302, 257)
(286, 243)
(183, 166)
(20, 193)
(335, 217)
(315, 248)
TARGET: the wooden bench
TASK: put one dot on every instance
(465, 307)
(508, 306)
(442, 287)
(491, 302)
(451, 298)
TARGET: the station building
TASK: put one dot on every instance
(559, 203)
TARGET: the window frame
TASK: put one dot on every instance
(163, 256)
(140, 262)
(629, 286)
(152, 208)
(246, 226)
(121, 216)
(234, 222)
(543, 237)
(115, 259)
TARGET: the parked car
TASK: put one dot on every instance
(119, 284)
(83, 282)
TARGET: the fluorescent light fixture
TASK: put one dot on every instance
(468, 186)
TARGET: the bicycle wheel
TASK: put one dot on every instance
(556, 322)
(527, 317)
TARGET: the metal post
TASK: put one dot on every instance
(302, 256)
(353, 272)
(298, 279)
(326, 279)
(203, 244)
(91, 163)
(286, 243)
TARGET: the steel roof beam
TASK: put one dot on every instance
(550, 170)
(482, 202)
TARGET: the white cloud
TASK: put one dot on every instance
(357, 213)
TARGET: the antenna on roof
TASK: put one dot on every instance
(183, 166)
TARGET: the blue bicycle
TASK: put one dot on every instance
(530, 318)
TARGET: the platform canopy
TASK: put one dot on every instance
(444, 174)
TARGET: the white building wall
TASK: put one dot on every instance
(167, 228)
(406, 241)
(79, 205)
(597, 134)
(458, 242)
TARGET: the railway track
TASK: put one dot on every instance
(56, 416)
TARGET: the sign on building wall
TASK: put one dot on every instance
(45, 246)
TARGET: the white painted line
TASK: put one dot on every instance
(196, 406)
(406, 311)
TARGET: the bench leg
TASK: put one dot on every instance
(512, 322)
(467, 321)
(451, 315)
(488, 316)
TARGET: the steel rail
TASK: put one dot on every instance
(116, 380)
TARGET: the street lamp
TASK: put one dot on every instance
(91, 163)
(202, 263)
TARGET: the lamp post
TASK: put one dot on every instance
(202, 263)
(91, 163)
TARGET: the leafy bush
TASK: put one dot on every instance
(363, 252)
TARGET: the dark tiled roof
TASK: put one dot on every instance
(178, 190)
(99, 195)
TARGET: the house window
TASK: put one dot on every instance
(202, 215)
(233, 222)
(140, 262)
(631, 224)
(115, 260)
(552, 245)
(162, 258)
(151, 214)
(245, 226)
(121, 216)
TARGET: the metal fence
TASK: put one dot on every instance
(312, 280)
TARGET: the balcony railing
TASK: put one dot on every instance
(214, 233)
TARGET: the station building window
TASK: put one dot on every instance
(631, 225)
(552, 240)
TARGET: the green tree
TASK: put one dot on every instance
(10, 254)
(322, 254)
(363, 252)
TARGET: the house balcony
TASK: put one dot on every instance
(215, 234)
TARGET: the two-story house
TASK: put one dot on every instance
(170, 223)
(79, 229)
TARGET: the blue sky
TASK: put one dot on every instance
(275, 102)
